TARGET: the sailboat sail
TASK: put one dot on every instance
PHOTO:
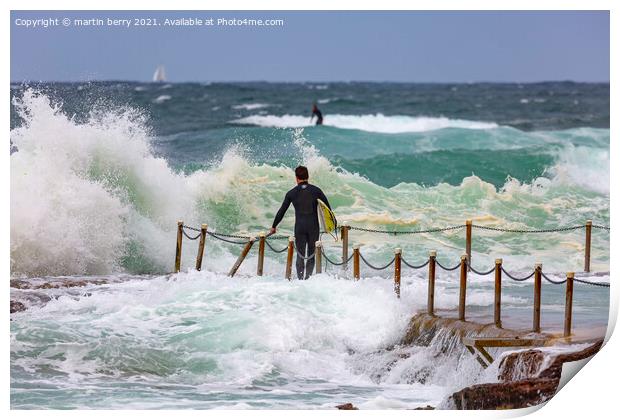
(160, 74)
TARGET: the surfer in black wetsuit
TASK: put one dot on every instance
(303, 197)
(319, 117)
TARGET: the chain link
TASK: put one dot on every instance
(275, 250)
(406, 232)
(601, 227)
(518, 278)
(375, 267)
(552, 281)
(217, 236)
(335, 263)
(303, 257)
(278, 237)
(564, 229)
(191, 238)
(592, 283)
(480, 273)
(446, 268)
(415, 267)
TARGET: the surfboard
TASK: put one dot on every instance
(327, 219)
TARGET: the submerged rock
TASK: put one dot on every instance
(17, 306)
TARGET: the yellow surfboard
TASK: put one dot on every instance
(327, 219)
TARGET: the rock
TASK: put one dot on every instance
(20, 284)
(17, 306)
(55, 283)
(523, 384)
(520, 365)
(428, 407)
(510, 395)
(346, 406)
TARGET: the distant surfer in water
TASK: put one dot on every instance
(304, 198)
(316, 112)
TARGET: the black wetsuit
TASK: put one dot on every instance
(319, 116)
(303, 197)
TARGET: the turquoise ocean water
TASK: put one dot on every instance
(101, 172)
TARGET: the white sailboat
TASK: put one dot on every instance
(160, 74)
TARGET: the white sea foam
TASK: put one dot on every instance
(378, 123)
(250, 106)
(162, 98)
(210, 335)
(327, 100)
(97, 186)
(583, 166)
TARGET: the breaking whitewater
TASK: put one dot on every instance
(95, 196)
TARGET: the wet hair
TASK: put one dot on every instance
(301, 173)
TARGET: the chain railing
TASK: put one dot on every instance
(378, 268)
(465, 263)
(335, 262)
(407, 232)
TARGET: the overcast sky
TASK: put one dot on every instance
(320, 46)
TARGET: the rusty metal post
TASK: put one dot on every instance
(588, 245)
(244, 253)
(289, 258)
(568, 308)
(537, 293)
(177, 259)
(261, 254)
(397, 264)
(498, 293)
(344, 234)
(463, 286)
(318, 257)
(356, 262)
(432, 259)
(201, 246)
(468, 224)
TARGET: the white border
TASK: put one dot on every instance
(591, 394)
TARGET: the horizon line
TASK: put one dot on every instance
(12, 82)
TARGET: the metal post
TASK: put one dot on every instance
(356, 262)
(289, 257)
(498, 293)
(318, 257)
(432, 259)
(261, 254)
(201, 246)
(177, 259)
(344, 234)
(397, 260)
(468, 224)
(244, 253)
(463, 286)
(537, 292)
(588, 245)
(568, 308)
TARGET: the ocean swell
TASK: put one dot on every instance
(92, 197)
(378, 123)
